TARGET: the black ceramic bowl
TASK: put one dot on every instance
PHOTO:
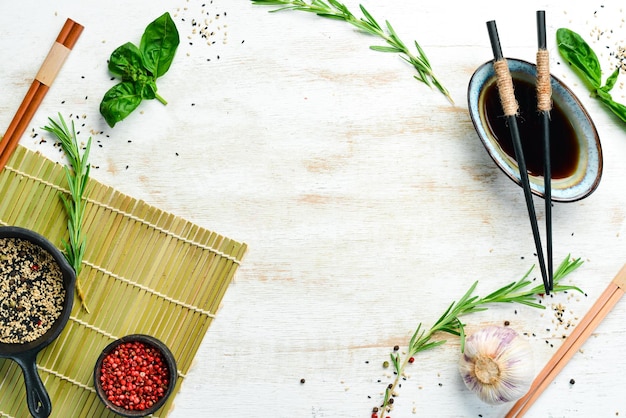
(25, 354)
(168, 359)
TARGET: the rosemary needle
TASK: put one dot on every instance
(449, 322)
(77, 175)
(335, 10)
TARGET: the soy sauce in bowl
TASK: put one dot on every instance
(564, 148)
(576, 153)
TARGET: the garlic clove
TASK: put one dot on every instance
(497, 364)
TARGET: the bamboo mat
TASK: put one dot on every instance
(145, 271)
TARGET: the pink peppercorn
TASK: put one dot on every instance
(134, 376)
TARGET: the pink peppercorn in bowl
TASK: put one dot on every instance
(135, 375)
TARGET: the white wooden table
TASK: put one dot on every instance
(366, 199)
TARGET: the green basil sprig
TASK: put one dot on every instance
(139, 68)
(584, 60)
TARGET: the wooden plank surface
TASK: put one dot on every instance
(366, 200)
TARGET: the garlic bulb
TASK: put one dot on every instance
(497, 364)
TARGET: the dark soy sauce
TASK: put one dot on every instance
(564, 149)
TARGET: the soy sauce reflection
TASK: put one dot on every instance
(564, 148)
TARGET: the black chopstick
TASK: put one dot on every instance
(544, 104)
(510, 107)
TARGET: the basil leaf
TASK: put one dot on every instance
(119, 102)
(580, 55)
(158, 45)
(146, 87)
(126, 62)
(610, 82)
(618, 109)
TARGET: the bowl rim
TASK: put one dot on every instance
(171, 365)
(481, 76)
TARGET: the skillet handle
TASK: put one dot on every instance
(37, 396)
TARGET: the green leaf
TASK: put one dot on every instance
(381, 48)
(617, 108)
(146, 88)
(119, 102)
(579, 54)
(127, 63)
(370, 18)
(611, 80)
(158, 45)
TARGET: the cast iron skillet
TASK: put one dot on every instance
(26, 354)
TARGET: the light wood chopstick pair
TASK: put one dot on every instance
(607, 300)
(43, 80)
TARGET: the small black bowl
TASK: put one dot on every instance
(168, 358)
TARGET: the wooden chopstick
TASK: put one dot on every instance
(64, 43)
(544, 105)
(504, 83)
(607, 300)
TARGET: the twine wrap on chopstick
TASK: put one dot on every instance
(504, 81)
(52, 64)
(544, 88)
(64, 42)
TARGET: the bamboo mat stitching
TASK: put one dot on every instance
(67, 379)
(167, 232)
(142, 287)
(93, 328)
(147, 289)
(76, 382)
(129, 215)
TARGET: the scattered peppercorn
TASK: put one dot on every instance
(411, 359)
(385, 364)
(572, 381)
(396, 347)
(302, 380)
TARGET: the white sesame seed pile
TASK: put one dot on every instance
(31, 291)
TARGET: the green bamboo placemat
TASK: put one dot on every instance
(145, 271)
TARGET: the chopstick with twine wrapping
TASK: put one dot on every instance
(504, 82)
(544, 105)
(607, 300)
(48, 71)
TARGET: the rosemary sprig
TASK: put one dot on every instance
(333, 9)
(77, 174)
(449, 322)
